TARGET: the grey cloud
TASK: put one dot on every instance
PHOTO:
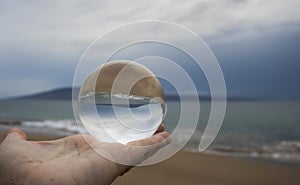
(49, 35)
(62, 22)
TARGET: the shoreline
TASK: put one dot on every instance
(203, 168)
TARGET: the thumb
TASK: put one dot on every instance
(16, 133)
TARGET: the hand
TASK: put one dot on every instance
(70, 160)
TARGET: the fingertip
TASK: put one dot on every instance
(161, 128)
(163, 134)
(162, 138)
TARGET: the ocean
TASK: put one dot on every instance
(259, 129)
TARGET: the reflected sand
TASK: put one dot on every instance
(125, 72)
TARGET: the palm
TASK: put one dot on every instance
(65, 161)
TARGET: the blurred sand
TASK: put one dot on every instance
(197, 168)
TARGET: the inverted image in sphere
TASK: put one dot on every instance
(121, 101)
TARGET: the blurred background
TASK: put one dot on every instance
(256, 43)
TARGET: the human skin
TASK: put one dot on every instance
(70, 160)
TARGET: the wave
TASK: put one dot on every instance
(285, 151)
(45, 127)
(66, 125)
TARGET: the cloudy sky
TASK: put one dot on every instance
(256, 42)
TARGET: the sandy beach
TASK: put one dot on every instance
(207, 169)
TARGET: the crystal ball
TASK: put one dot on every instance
(121, 101)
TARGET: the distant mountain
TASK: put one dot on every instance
(66, 94)
(55, 94)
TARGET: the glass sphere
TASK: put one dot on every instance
(121, 101)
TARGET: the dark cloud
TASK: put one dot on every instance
(263, 66)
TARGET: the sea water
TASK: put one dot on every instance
(255, 128)
(119, 117)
